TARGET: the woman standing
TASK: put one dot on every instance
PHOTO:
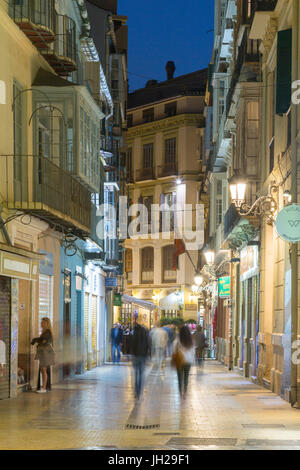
(45, 353)
(183, 357)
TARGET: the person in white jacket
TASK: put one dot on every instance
(159, 342)
(185, 346)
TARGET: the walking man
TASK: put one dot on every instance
(116, 338)
(139, 350)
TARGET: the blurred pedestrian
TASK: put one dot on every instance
(199, 343)
(45, 352)
(116, 338)
(140, 351)
(159, 342)
(183, 358)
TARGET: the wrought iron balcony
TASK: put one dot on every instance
(145, 174)
(262, 5)
(168, 169)
(62, 54)
(34, 184)
(36, 18)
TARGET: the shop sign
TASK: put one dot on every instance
(47, 264)
(117, 300)
(288, 223)
(111, 282)
(249, 261)
(224, 287)
(12, 265)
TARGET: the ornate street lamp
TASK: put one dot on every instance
(210, 257)
(198, 279)
(264, 205)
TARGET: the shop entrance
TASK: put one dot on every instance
(5, 336)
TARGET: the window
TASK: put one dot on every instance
(148, 115)
(147, 201)
(128, 260)
(129, 120)
(148, 156)
(129, 163)
(167, 216)
(171, 109)
(170, 151)
(169, 275)
(147, 265)
(219, 203)
(45, 297)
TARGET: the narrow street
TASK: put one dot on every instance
(97, 411)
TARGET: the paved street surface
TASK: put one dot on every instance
(97, 411)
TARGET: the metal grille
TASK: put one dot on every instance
(5, 319)
(86, 328)
(94, 331)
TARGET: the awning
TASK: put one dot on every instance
(139, 302)
(170, 302)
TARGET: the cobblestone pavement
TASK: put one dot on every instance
(97, 410)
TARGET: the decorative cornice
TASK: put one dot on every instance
(173, 122)
(270, 34)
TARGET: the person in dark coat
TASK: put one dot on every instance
(45, 353)
(140, 351)
(116, 338)
(199, 342)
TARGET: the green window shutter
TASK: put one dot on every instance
(284, 71)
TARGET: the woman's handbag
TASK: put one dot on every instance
(177, 359)
(45, 354)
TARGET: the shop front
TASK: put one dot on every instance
(249, 310)
(16, 266)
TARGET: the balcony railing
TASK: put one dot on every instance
(36, 18)
(262, 5)
(35, 184)
(231, 219)
(145, 174)
(168, 169)
(147, 277)
(62, 55)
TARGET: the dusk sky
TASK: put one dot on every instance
(162, 30)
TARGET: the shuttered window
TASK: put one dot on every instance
(148, 156)
(86, 328)
(284, 71)
(170, 151)
(169, 275)
(45, 297)
(128, 260)
(147, 265)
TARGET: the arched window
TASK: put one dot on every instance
(169, 275)
(147, 265)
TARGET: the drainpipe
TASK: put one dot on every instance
(294, 191)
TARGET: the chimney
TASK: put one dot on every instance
(170, 69)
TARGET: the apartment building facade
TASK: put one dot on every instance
(164, 167)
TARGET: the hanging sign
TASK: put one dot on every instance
(117, 300)
(288, 223)
(224, 287)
